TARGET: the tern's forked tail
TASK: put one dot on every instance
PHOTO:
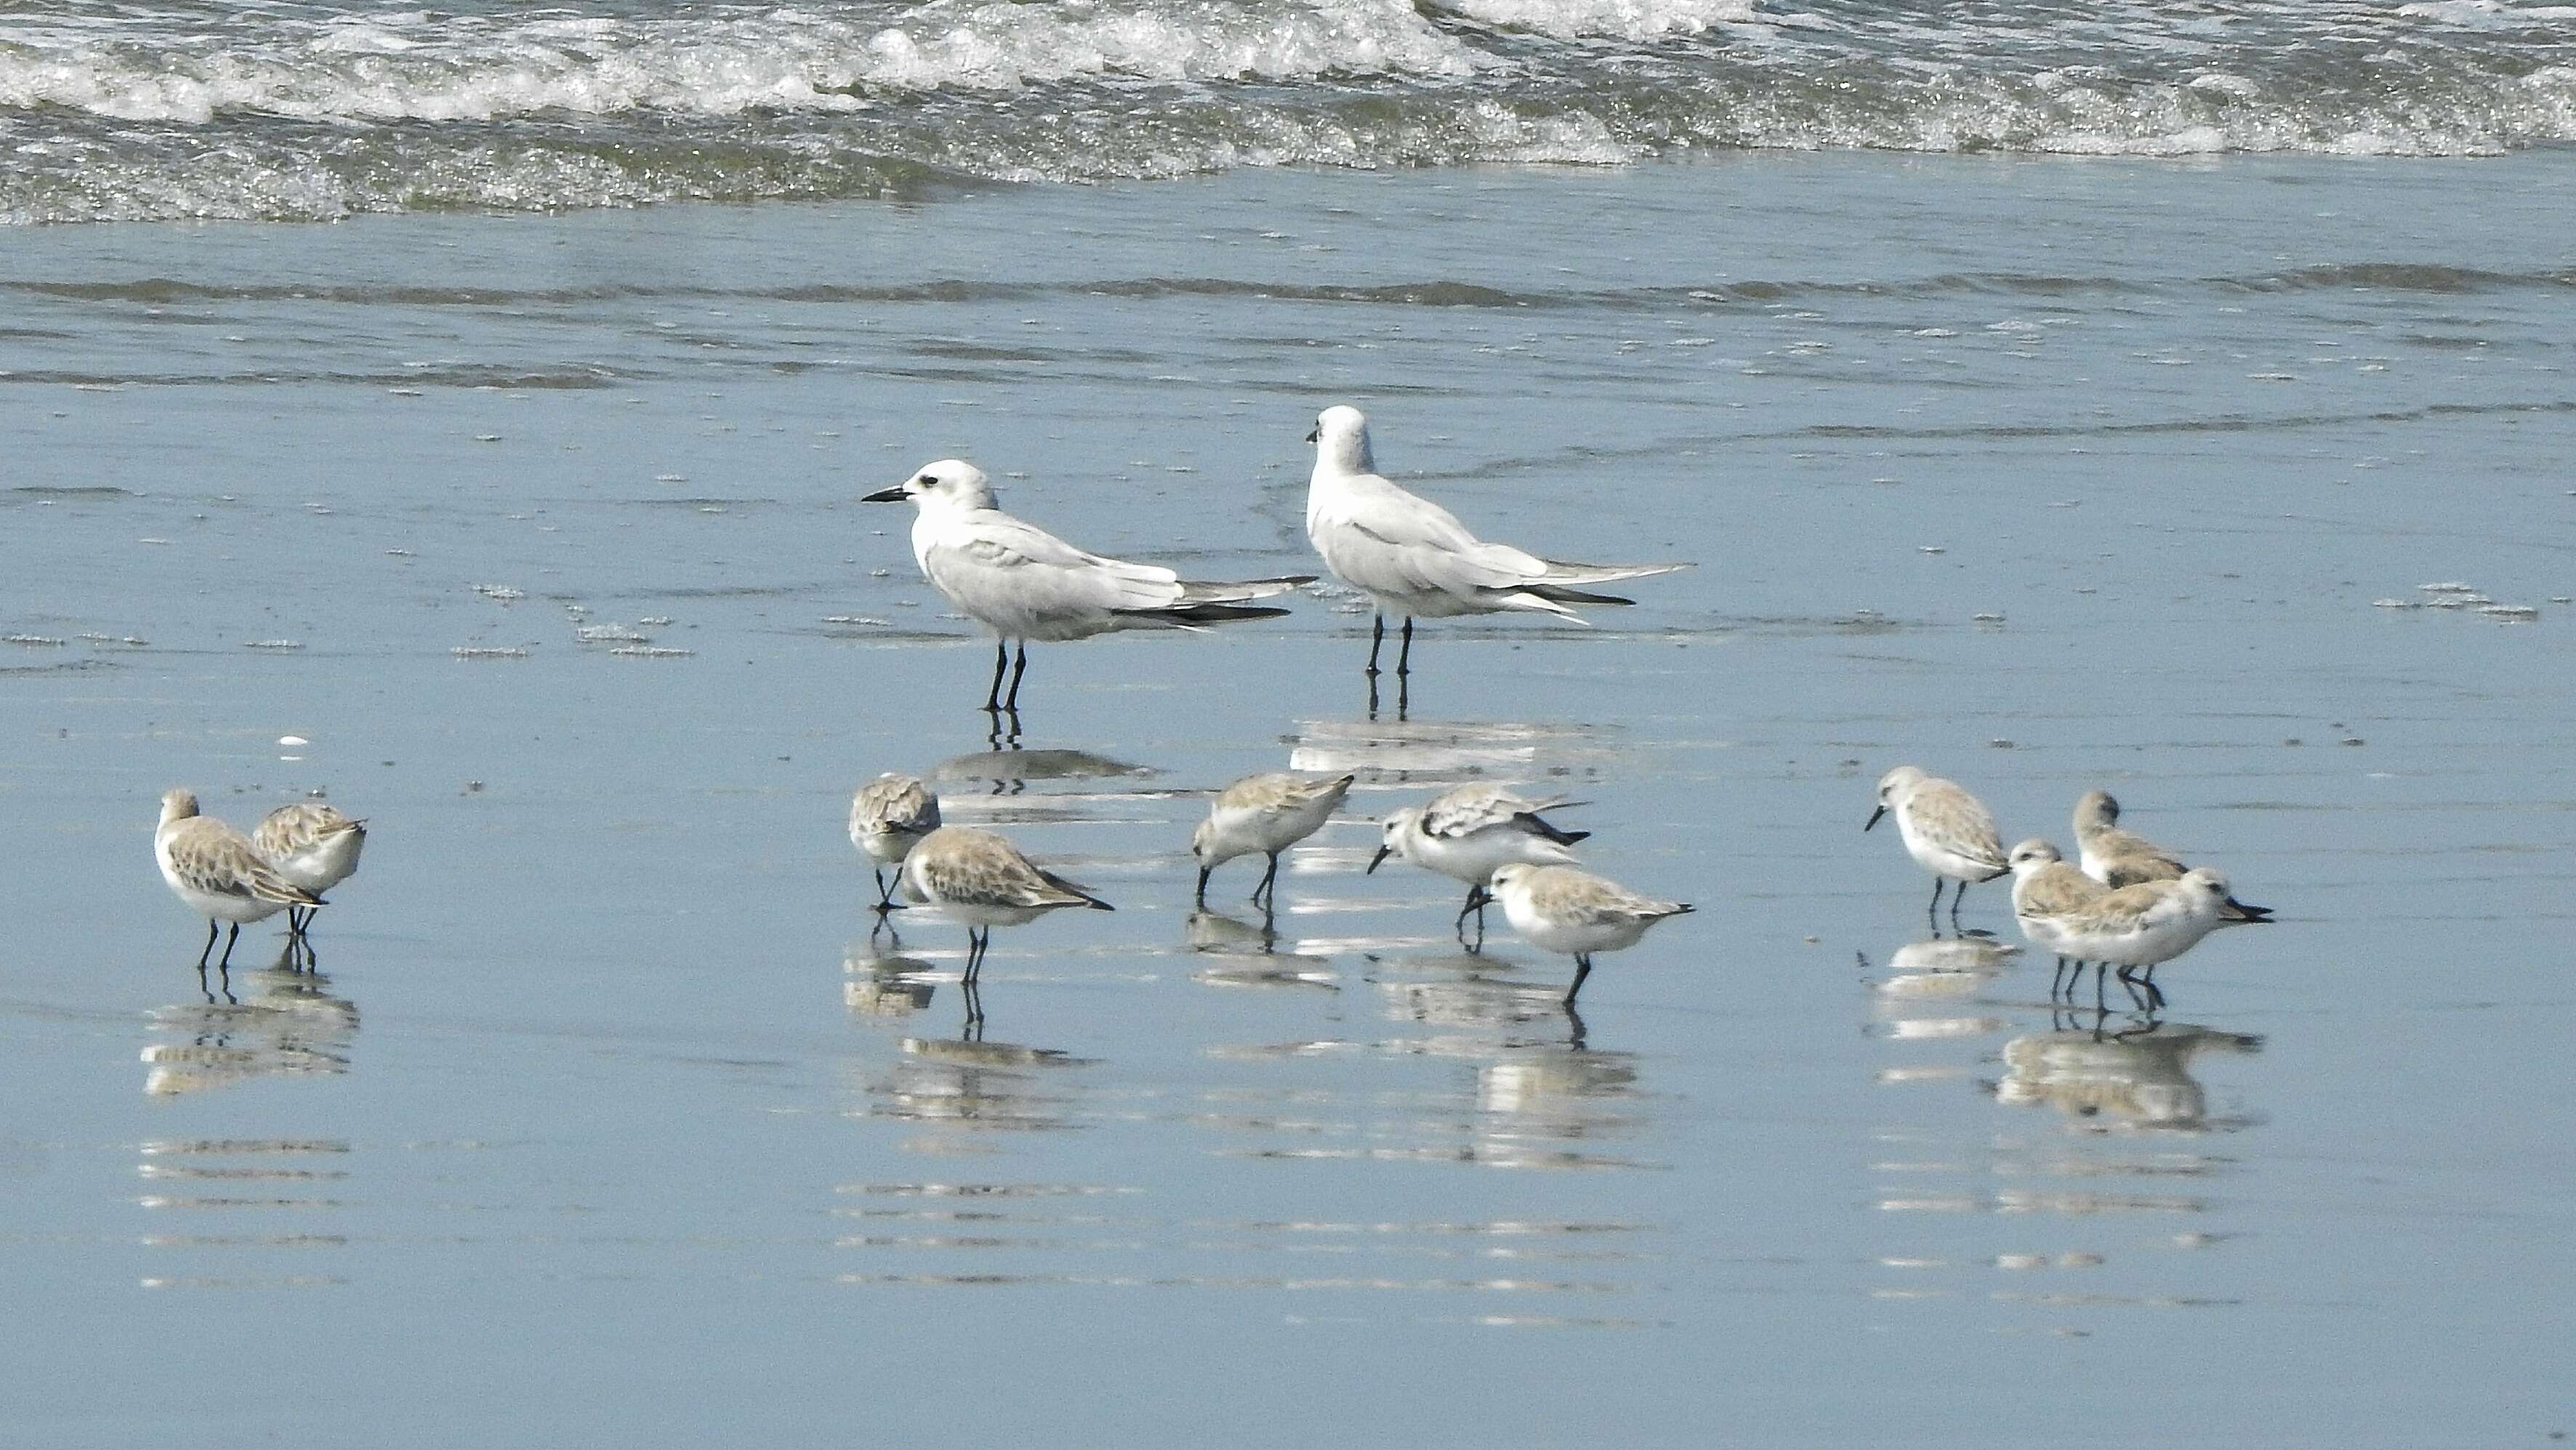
(1198, 616)
(1210, 591)
(1560, 572)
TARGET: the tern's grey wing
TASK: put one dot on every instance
(996, 567)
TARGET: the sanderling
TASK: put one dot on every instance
(1268, 813)
(2044, 888)
(1561, 909)
(218, 872)
(1468, 831)
(2141, 926)
(1413, 557)
(2116, 857)
(888, 817)
(1947, 831)
(1024, 583)
(983, 881)
(312, 845)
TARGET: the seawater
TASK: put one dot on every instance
(112, 111)
(609, 1115)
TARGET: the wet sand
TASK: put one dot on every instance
(604, 1102)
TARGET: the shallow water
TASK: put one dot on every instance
(604, 1102)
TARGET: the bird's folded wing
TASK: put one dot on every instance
(1035, 569)
(1415, 545)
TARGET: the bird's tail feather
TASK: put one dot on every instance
(1211, 591)
(1187, 616)
(1559, 594)
(1562, 838)
(1075, 888)
(1561, 572)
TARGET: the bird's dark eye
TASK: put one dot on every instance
(926, 481)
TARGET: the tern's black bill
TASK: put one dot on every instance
(885, 495)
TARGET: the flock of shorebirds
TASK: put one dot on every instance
(2132, 906)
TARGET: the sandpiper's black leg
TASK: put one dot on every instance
(885, 893)
(1475, 907)
(2056, 978)
(2098, 969)
(1268, 890)
(1377, 636)
(1019, 672)
(1932, 913)
(228, 946)
(1955, 898)
(212, 927)
(1204, 872)
(1404, 656)
(1001, 661)
(1582, 969)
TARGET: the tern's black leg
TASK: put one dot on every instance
(1019, 672)
(1377, 636)
(211, 928)
(1404, 656)
(1001, 661)
(1269, 887)
(1582, 969)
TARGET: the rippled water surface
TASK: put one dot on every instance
(115, 110)
(607, 1116)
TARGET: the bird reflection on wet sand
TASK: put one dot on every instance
(969, 1084)
(1257, 946)
(877, 984)
(2132, 1075)
(272, 1021)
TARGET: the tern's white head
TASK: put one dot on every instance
(950, 483)
(1341, 441)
